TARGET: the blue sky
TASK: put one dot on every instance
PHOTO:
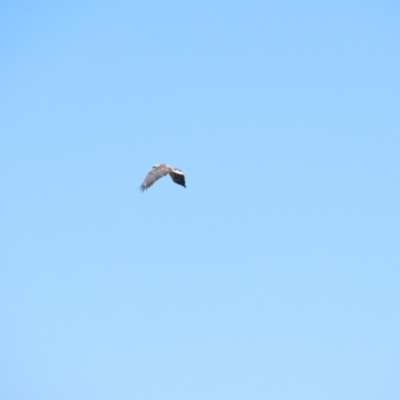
(274, 275)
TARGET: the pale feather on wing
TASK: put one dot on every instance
(154, 175)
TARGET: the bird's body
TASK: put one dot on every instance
(160, 170)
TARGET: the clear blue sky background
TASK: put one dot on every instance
(274, 275)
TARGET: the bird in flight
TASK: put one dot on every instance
(160, 170)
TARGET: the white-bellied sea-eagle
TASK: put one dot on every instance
(160, 170)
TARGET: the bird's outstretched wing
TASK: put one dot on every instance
(154, 175)
(178, 177)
